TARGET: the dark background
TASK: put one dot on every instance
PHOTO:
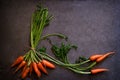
(93, 25)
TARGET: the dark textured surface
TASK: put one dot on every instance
(93, 25)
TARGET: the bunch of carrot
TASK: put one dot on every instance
(31, 62)
(34, 61)
(28, 66)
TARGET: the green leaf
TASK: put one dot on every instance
(61, 51)
(42, 49)
(81, 59)
(40, 19)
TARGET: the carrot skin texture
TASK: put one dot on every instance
(25, 73)
(35, 67)
(104, 56)
(95, 71)
(40, 66)
(17, 61)
(94, 57)
(22, 64)
(48, 64)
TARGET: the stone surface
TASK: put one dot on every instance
(91, 24)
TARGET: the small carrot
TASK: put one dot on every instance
(40, 66)
(95, 71)
(22, 64)
(24, 69)
(36, 69)
(48, 64)
(25, 73)
(94, 57)
(17, 61)
(104, 56)
(31, 68)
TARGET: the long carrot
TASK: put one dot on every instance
(95, 71)
(22, 64)
(48, 64)
(17, 61)
(25, 73)
(40, 66)
(94, 57)
(36, 69)
(104, 56)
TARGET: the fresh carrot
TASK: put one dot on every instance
(35, 67)
(31, 68)
(48, 64)
(104, 56)
(94, 57)
(24, 69)
(40, 66)
(95, 71)
(22, 64)
(17, 61)
(25, 73)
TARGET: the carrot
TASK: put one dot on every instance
(95, 71)
(40, 66)
(104, 56)
(94, 57)
(31, 68)
(17, 61)
(48, 64)
(26, 71)
(23, 63)
(36, 69)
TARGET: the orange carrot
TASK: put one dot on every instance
(36, 69)
(25, 73)
(95, 71)
(31, 68)
(24, 69)
(48, 64)
(22, 64)
(94, 57)
(104, 56)
(17, 61)
(40, 66)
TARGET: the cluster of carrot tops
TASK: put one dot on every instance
(36, 61)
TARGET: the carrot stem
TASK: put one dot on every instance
(81, 72)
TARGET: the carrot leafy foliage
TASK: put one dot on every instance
(61, 51)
